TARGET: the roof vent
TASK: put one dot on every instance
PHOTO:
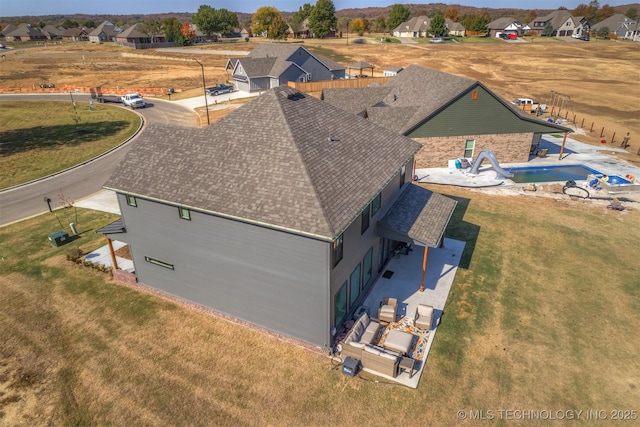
(333, 139)
(290, 93)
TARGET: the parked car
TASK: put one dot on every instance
(133, 100)
(584, 38)
(219, 89)
(437, 40)
(2, 46)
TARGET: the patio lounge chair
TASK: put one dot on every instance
(423, 319)
(543, 152)
(387, 310)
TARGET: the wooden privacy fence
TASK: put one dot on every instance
(144, 91)
(333, 84)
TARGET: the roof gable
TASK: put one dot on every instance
(300, 170)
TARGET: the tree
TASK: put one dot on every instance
(70, 23)
(437, 27)
(379, 25)
(227, 21)
(605, 12)
(631, 13)
(297, 19)
(322, 18)
(397, 16)
(452, 13)
(359, 26)
(151, 27)
(548, 30)
(171, 28)
(187, 34)
(480, 23)
(89, 24)
(207, 20)
(41, 25)
(263, 17)
(279, 29)
(603, 32)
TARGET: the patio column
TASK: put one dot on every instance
(564, 140)
(424, 268)
(113, 254)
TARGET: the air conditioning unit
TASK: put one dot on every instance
(350, 366)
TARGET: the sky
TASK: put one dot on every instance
(126, 7)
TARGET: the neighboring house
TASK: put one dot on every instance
(9, 28)
(454, 28)
(76, 34)
(105, 32)
(420, 26)
(451, 116)
(286, 224)
(416, 27)
(52, 32)
(270, 65)
(620, 25)
(304, 33)
(562, 24)
(245, 33)
(507, 25)
(133, 36)
(391, 71)
(24, 33)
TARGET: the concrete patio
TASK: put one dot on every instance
(404, 285)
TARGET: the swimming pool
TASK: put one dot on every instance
(527, 174)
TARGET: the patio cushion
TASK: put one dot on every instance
(371, 349)
(357, 344)
(387, 355)
(365, 319)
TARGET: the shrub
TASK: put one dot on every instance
(74, 254)
(246, 39)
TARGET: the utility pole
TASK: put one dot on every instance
(204, 88)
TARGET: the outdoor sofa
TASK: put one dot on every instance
(358, 344)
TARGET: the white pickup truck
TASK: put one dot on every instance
(527, 104)
(133, 100)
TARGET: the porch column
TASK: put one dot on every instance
(113, 254)
(562, 148)
(424, 268)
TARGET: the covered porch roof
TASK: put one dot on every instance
(419, 216)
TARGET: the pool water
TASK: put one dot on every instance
(528, 174)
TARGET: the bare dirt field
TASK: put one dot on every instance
(598, 77)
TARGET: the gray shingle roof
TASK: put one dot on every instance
(420, 214)
(355, 100)
(258, 67)
(286, 50)
(293, 163)
(425, 89)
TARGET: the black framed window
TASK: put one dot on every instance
(376, 204)
(185, 213)
(338, 250)
(158, 262)
(131, 200)
(365, 219)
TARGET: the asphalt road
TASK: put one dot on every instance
(28, 200)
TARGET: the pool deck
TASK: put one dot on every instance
(575, 153)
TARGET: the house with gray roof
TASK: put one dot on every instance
(420, 26)
(623, 27)
(451, 116)
(52, 33)
(6, 31)
(561, 24)
(507, 25)
(105, 32)
(285, 224)
(25, 32)
(270, 65)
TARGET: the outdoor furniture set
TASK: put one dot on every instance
(359, 341)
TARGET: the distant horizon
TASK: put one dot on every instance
(11, 9)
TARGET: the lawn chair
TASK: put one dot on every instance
(388, 309)
(543, 152)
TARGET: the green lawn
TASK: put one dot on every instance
(40, 138)
(542, 316)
